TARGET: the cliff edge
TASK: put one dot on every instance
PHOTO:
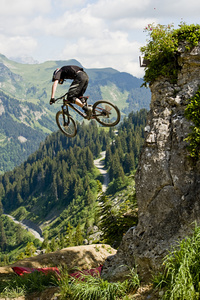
(167, 182)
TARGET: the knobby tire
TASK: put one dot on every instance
(106, 113)
(69, 130)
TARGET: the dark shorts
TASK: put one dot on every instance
(78, 86)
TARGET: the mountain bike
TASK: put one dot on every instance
(104, 112)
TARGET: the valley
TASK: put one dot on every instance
(57, 188)
(99, 164)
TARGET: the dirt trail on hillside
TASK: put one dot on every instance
(100, 164)
(28, 228)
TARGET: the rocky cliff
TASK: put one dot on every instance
(167, 182)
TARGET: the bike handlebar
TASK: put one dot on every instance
(62, 97)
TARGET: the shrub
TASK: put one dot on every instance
(22, 285)
(162, 46)
(180, 279)
(192, 112)
(95, 288)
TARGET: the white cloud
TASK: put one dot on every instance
(117, 9)
(98, 33)
(177, 9)
(108, 50)
(24, 7)
(17, 17)
(130, 25)
(17, 45)
(76, 24)
(70, 4)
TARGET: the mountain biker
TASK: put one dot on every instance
(76, 89)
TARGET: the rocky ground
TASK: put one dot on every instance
(80, 257)
(75, 258)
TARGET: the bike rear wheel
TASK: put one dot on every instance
(106, 113)
(66, 124)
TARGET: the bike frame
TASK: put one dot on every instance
(64, 119)
(77, 110)
(68, 104)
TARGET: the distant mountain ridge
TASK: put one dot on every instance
(24, 60)
(25, 115)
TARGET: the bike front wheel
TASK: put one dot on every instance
(106, 113)
(66, 124)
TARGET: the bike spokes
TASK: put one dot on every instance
(66, 124)
(106, 113)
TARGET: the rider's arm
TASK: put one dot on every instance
(54, 86)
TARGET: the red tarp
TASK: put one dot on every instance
(23, 270)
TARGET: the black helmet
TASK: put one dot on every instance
(60, 81)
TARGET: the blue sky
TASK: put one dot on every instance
(98, 33)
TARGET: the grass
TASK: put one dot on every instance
(15, 286)
(84, 288)
(95, 288)
(181, 277)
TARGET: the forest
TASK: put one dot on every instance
(59, 180)
(17, 120)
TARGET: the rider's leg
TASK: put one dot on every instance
(87, 109)
(78, 86)
(79, 102)
(77, 89)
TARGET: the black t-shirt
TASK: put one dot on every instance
(66, 72)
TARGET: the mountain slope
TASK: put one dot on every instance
(23, 126)
(57, 187)
(26, 116)
(33, 81)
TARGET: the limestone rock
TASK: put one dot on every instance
(167, 183)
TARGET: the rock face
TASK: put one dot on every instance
(167, 183)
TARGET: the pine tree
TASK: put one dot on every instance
(30, 249)
(78, 237)
(45, 242)
(2, 191)
(108, 156)
(89, 197)
(53, 245)
(61, 240)
(107, 220)
(129, 162)
(3, 240)
(19, 234)
(89, 159)
(116, 169)
(69, 235)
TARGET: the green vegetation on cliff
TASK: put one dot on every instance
(192, 113)
(162, 53)
(162, 49)
(180, 279)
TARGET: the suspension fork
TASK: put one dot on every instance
(65, 112)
